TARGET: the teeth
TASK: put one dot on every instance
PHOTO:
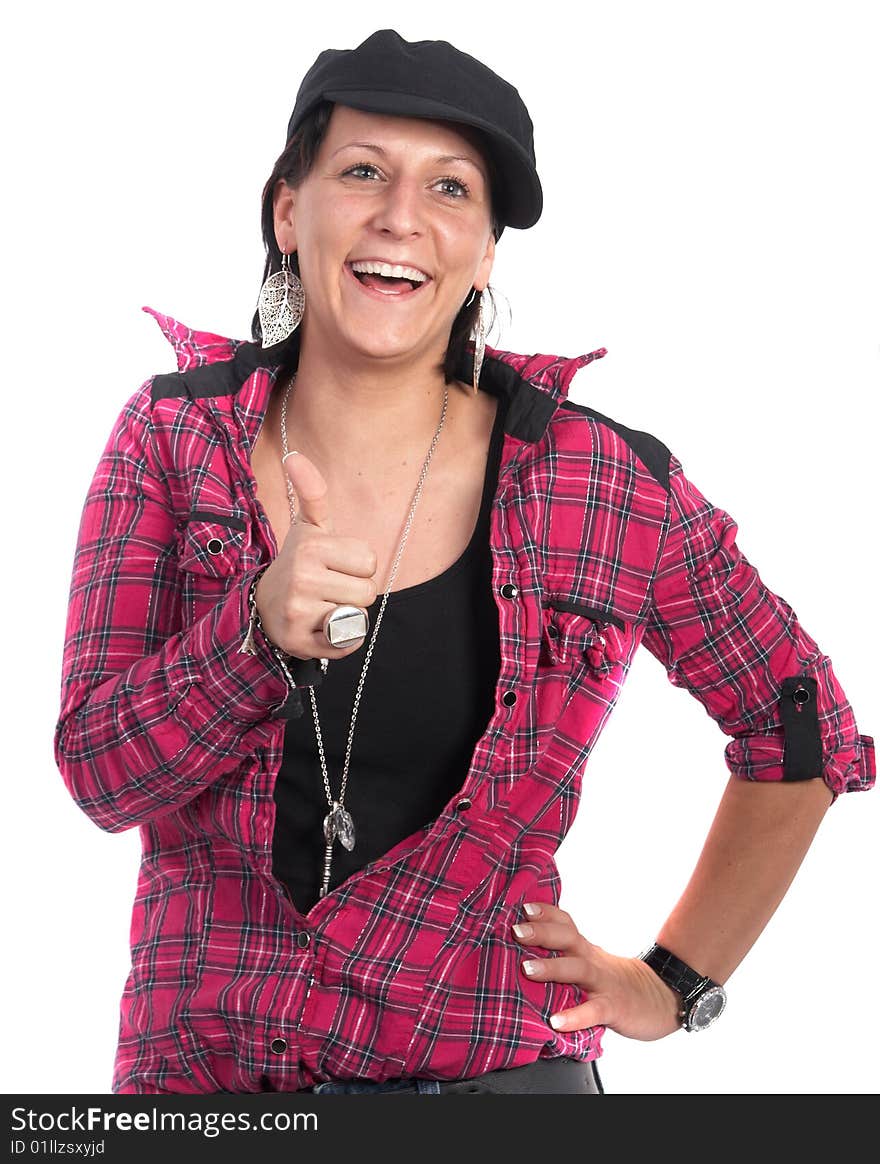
(370, 267)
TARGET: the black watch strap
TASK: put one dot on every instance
(674, 972)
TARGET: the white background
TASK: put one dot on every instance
(711, 217)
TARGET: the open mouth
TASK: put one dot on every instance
(385, 285)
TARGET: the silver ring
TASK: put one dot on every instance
(345, 625)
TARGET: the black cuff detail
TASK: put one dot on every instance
(292, 708)
(800, 723)
(305, 673)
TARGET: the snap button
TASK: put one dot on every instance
(279, 1046)
(461, 805)
(508, 590)
(303, 939)
(801, 695)
(508, 698)
(215, 546)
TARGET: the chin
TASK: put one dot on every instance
(387, 347)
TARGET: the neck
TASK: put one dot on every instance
(377, 418)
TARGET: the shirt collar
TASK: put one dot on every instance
(533, 385)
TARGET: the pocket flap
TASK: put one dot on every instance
(213, 544)
(575, 630)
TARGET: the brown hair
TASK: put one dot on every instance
(293, 166)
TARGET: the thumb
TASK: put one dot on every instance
(311, 491)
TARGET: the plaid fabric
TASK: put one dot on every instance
(408, 967)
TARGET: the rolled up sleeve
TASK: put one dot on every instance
(740, 650)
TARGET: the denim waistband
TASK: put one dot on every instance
(557, 1076)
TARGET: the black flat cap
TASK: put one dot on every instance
(435, 80)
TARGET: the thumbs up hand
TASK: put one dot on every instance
(314, 571)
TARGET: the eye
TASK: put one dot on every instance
(463, 187)
(361, 166)
(459, 189)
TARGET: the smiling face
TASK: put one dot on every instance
(401, 191)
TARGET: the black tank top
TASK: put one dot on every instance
(427, 697)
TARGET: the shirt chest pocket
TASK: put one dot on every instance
(214, 549)
(579, 638)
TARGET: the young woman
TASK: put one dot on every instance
(350, 606)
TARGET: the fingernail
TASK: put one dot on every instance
(531, 967)
(523, 931)
(532, 910)
(557, 1021)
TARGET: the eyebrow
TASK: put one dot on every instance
(443, 158)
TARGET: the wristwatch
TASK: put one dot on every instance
(702, 1000)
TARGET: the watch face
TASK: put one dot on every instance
(706, 1009)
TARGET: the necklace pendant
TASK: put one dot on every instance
(338, 823)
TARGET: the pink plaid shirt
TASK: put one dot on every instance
(599, 543)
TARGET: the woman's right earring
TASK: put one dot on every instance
(479, 345)
(281, 305)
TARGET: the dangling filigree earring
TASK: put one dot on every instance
(479, 344)
(281, 304)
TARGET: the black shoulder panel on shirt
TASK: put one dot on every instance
(529, 409)
(222, 378)
(649, 449)
(210, 380)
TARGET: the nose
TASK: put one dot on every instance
(400, 211)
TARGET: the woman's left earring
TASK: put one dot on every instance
(281, 305)
(479, 345)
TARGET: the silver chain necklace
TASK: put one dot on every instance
(338, 821)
